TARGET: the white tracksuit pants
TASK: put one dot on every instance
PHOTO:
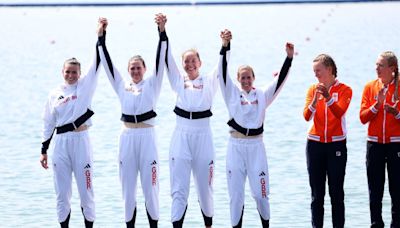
(247, 157)
(191, 149)
(138, 153)
(73, 154)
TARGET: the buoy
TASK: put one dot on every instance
(316, 29)
(52, 41)
(307, 38)
(296, 53)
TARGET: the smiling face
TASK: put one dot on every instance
(191, 63)
(136, 69)
(246, 78)
(71, 72)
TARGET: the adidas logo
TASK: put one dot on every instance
(211, 163)
(60, 97)
(154, 163)
(262, 174)
(87, 166)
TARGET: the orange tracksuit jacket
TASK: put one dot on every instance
(329, 123)
(383, 127)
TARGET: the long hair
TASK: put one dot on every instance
(392, 62)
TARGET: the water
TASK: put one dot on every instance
(35, 42)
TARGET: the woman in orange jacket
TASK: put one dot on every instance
(326, 104)
(379, 108)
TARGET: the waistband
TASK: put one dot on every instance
(138, 118)
(76, 124)
(137, 125)
(192, 115)
(238, 135)
(246, 131)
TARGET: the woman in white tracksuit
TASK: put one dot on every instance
(137, 142)
(191, 144)
(246, 155)
(67, 111)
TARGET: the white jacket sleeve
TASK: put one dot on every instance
(228, 89)
(174, 76)
(112, 72)
(158, 73)
(275, 86)
(49, 124)
(87, 84)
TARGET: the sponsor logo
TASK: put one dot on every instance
(153, 175)
(261, 174)
(60, 97)
(134, 90)
(69, 99)
(263, 187)
(338, 153)
(210, 172)
(335, 96)
(248, 102)
(154, 163)
(189, 84)
(88, 177)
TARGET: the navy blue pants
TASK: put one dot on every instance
(378, 156)
(326, 160)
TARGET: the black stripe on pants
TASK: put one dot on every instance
(378, 156)
(327, 160)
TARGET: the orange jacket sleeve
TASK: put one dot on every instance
(367, 103)
(307, 113)
(340, 107)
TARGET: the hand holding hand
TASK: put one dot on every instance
(102, 25)
(160, 20)
(226, 37)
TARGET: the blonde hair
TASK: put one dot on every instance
(245, 67)
(327, 61)
(136, 57)
(391, 59)
(191, 50)
(72, 61)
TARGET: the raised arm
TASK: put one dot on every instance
(274, 88)
(174, 76)
(88, 81)
(112, 72)
(157, 77)
(228, 88)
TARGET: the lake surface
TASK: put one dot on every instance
(36, 41)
